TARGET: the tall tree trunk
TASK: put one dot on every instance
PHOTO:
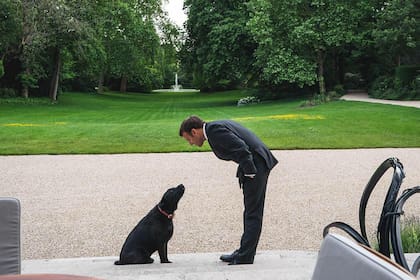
(28, 30)
(55, 76)
(25, 90)
(321, 78)
(2, 65)
(101, 82)
(123, 84)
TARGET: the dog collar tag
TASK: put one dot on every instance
(169, 216)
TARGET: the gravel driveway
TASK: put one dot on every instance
(85, 205)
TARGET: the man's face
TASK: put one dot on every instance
(196, 137)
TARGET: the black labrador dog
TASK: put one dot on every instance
(153, 232)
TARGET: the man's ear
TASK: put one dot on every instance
(193, 131)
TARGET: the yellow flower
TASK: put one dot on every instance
(32, 124)
(21, 124)
(283, 117)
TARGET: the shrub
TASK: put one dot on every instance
(248, 100)
(410, 234)
(407, 73)
(386, 87)
(339, 90)
(334, 94)
(318, 99)
(7, 93)
(415, 88)
(381, 87)
(27, 101)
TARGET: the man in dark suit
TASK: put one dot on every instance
(231, 141)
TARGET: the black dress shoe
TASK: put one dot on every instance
(237, 261)
(229, 258)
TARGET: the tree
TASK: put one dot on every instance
(32, 46)
(277, 61)
(297, 35)
(218, 49)
(397, 29)
(65, 34)
(9, 29)
(49, 29)
(130, 41)
(325, 26)
(167, 62)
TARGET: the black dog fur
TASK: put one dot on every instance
(153, 232)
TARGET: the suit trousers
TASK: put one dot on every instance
(254, 190)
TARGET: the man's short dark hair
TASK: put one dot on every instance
(190, 123)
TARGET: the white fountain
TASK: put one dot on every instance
(176, 87)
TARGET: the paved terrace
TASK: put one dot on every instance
(280, 265)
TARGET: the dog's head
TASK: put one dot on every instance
(171, 197)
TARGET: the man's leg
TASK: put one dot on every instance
(254, 197)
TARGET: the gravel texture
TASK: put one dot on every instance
(85, 205)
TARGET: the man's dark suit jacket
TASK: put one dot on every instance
(231, 141)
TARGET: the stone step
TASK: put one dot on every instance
(291, 265)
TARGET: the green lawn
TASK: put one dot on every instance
(128, 123)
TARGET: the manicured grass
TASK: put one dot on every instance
(128, 123)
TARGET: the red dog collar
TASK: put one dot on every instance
(169, 216)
